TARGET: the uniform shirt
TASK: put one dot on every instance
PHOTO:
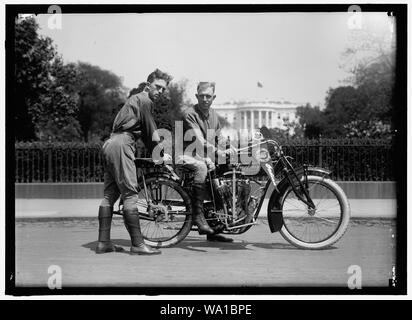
(136, 117)
(194, 118)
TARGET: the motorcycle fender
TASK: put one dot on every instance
(275, 217)
(275, 221)
(315, 171)
(165, 175)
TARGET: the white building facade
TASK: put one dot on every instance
(254, 115)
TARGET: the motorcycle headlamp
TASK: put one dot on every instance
(262, 155)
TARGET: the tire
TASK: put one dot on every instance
(297, 216)
(164, 232)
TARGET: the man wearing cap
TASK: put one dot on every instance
(120, 178)
(197, 120)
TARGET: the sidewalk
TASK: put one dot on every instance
(75, 208)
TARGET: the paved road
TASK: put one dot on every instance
(256, 258)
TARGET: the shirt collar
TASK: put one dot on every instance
(150, 100)
(203, 115)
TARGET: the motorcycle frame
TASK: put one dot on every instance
(290, 174)
(291, 177)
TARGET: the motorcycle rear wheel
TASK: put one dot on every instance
(319, 228)
(164, 230)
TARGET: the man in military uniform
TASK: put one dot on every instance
(120, 178)
(199, 119)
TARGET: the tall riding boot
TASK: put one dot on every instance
(132, 222)
(105, 222)
(198, 192)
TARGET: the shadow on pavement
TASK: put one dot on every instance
(198, 244)
(118, 242)
(201, 245)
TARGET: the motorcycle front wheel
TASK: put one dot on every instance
(320, 227)
(171, 220)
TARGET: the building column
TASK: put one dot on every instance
(260, 118)
(267, 119)
(252, 120)
(244, 119)
(273, 118)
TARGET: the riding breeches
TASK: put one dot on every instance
(120, 171)
(199, 167)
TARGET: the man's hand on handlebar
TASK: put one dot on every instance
(167, 158)
(210, 165)
(231, 151)
(228, 152)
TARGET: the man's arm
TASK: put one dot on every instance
(221, 141)
(127, 116)
(191, 123)
(150, 135)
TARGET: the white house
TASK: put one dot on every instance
(254, 115)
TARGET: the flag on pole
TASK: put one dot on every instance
(259, 85)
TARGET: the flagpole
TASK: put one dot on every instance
(256, 93)
(258, 86)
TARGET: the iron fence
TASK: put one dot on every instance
(349, 160)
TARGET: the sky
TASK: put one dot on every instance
(295, 56)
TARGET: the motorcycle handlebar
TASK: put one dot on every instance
(272, 142)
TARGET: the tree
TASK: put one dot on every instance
(365, 49)
(54, 114)
(375, 86)
(32, 56)
(177, 103)
(367, 129)
(171, 105)
(365, 104)
(279, 134)
(311, 120)
(370, 58)
(223, 122)
(100, 91)
(45, 99)
(343, 105)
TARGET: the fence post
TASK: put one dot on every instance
(50, 167)
(320, 155)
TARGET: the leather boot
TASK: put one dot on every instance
(198, 192)
(105, 222)
(132, 222)
(218, 238)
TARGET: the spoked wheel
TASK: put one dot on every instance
(167, 221)
(320, 227)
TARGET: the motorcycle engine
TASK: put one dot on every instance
(218, 219)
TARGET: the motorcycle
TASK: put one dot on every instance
(304, 204)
